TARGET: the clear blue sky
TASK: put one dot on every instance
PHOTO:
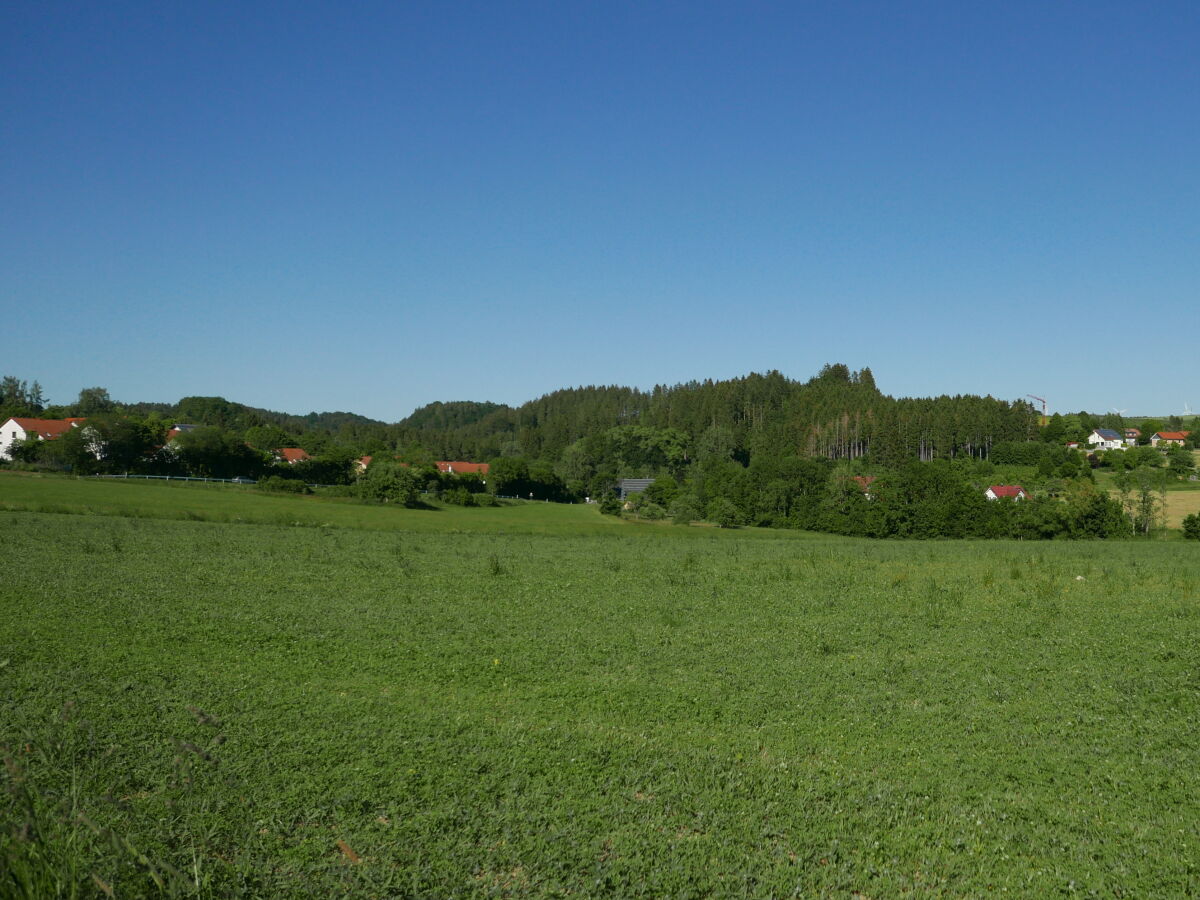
(371, 206)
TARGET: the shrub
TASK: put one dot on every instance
(722, 513)
(389, 483)
(459, 497)
(279, 485)
(1191, 527)
(653, 511)
(684, 510)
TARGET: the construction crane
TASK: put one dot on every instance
(1045, 419)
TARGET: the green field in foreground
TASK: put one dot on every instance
(536, 701)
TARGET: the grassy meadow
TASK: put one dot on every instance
(211, 692)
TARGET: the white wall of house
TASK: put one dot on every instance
(992, 495)
(1103, 443)
(10, 433)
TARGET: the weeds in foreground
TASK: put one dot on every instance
(65, 835)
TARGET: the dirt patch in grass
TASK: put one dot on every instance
(1180, 504)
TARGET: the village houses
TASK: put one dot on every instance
(17, 430)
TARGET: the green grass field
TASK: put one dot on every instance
(538, 701)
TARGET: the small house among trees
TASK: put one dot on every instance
(461, 468)
(1106, 439)
(1012, 491)
(627, 486)
(18, 430)
(291, 455)
(1169, 438)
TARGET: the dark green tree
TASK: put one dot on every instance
(94, 401)
(1191, 527)
(722, 513)
(508, 476)
(389, 482)
(210, 452)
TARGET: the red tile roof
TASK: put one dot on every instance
(48, 429)
(292, 455)
(1172, 435)
(863, 481)
(462, 468)
(1007, 490)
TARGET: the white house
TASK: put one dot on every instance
(1106, 439)
(18, 430)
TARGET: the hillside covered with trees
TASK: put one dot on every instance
(762, 449)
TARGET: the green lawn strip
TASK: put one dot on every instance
(634, 714)
(243, 505)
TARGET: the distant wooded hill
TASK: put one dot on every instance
(837, 414)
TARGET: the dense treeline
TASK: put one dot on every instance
(839, 414)
(761, 450)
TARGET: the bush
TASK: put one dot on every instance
(389, 483)
(279, 485)
(722, 513)
(459, 497)
(662, 491)
(1191, 527)
(651, 511)
(684, 510)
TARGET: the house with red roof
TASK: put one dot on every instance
(1169, 438)
(1011, 491)
(462, 468)
(17, 430)
(290, 455)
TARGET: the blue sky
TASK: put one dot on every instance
(372, 206)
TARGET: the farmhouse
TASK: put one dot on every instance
(1106, 439)
(462, 468)
(290, 455)
(1169, 438)
(1014, 491)
(1132, 435)
(18, 430)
